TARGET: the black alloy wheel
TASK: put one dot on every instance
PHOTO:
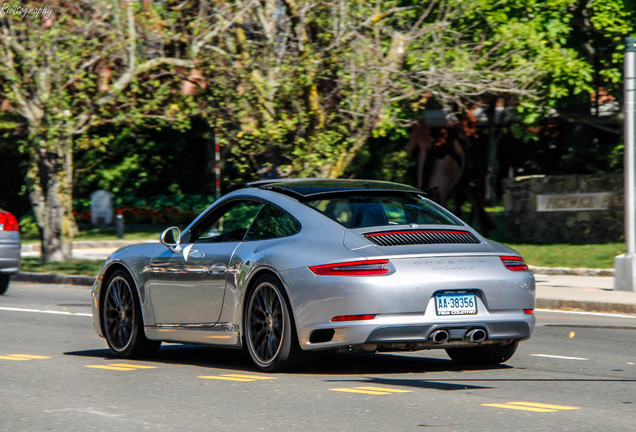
(270, 338)
(121, 319)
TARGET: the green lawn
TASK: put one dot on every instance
(565, 255)
(78, 267)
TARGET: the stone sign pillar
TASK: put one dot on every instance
(101, 208)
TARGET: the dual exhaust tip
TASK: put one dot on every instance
(473, 336)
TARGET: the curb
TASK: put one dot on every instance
(48, 278)
(585, 306)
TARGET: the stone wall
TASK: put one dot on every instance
(565, 209)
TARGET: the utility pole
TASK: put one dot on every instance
(625, 264)
(217, 166)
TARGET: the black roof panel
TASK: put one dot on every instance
(306, 188)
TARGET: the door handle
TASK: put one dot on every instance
(217, 269)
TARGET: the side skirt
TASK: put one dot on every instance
(224, 334)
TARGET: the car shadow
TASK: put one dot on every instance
(320, 363)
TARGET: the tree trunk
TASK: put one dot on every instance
(50, 190)
(392, 61)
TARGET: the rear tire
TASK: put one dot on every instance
(4, 283)
(122, 321)
(483, 355)
(269, 335)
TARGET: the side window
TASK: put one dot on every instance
(231, 225)
(272, 222)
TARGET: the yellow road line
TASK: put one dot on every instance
(353, 390)
(238, 377)
(132, 366)
(21, 357)
(372, 390)
(255, 377)
(117, 368)
(30, 356)
(225, 378)
(532, 406)
(121, 367)
(384, 389)
(538, 405)
(518, 407)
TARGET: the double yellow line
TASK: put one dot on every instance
(22, 357)
(237, 377)
(121, 367)
(371, 390)
(532, 406)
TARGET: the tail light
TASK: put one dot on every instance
(353, 318)
(514, 263)
(8, 222)
(352, 268)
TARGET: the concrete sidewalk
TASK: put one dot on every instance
(584, 293)
(589, 290)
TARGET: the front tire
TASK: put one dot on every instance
(270, 337)
(122, 320)
(483, 355)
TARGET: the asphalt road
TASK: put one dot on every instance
(578, 373)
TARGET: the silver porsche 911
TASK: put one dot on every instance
(287, 266)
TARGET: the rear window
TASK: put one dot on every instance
(378, 210)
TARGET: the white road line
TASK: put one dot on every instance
(558, 357)
(45, 311)
(587, 313)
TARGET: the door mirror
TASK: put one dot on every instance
(171, 238)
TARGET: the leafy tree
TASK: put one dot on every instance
(71, 68)
(303, 85)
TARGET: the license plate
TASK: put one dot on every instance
(455, 303)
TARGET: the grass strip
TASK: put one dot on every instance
(572, 256)
(75, 267)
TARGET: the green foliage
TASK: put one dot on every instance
(305, 92)
(385, 158)
(147, 161)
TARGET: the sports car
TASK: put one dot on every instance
(284, 267)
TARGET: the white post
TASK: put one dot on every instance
(625, 264)
(217, 169)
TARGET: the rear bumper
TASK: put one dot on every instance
(412, 332)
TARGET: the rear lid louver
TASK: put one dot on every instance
(418, 237)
